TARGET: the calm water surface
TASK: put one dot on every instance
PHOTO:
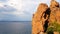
(15, 27)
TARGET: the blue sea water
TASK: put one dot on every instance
(15, 27)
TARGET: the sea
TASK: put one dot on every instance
(16, 27)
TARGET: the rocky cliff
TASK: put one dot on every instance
(44, 16)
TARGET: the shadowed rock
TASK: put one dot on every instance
(39, 19)
(44, 16)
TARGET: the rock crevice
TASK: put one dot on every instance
(44, 16)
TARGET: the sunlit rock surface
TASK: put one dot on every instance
(55, 12)
(44, 16)
(39, 19)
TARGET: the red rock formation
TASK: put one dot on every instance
(55, 12)
(38, 20)
(44, 16)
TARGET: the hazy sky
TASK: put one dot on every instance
(19, 10)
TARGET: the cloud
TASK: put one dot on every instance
(25, 9)
(3, 0)
(7, 8)
(15, 3)
(6, 12)
(19, 10)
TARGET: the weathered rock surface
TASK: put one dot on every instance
(45, 15)
(39, 19)
(54, 4)
(55, 12)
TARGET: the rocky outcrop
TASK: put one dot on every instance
(39, 19)
(44, 16)
(54, 4)
(55, 12)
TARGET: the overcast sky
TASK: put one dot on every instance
(19, 10)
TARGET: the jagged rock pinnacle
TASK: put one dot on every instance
(39, 19)
(44, 16)
(54, 4)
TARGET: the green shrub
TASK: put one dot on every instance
(50, 30)
(53, 27)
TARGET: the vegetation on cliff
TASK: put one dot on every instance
(53, 27)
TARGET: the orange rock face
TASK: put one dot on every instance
(55, 12)
(54, 4)
(45, 15)
(39, 19)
